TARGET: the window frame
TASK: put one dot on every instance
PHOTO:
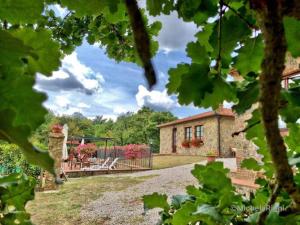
(188, 133)
(200, 132)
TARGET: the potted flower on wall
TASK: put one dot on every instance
(186, 144)
(197, 142)
(211, 156)
(56, 128)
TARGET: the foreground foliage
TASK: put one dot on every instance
(251, 36)
(33, 39)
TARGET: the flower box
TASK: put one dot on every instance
(186, 144)
(197, 142)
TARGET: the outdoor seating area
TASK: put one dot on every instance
(84, 157)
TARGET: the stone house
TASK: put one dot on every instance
(213, 128)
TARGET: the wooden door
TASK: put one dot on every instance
(174, 135)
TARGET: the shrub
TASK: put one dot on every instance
(88, 148)
(12, 161)
(133, 151)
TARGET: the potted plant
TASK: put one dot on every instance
(211, 156)
(197, 142)
(56, 128)
(186, 144)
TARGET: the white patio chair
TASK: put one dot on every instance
(112, 165)
(104, 165)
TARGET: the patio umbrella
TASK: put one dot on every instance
(65, 149)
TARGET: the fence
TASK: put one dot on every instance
(129, 157)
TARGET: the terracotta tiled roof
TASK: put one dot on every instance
(221, 112)
(290, 73)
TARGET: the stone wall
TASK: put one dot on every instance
(210, 137)
(227, 128)
(55, 150)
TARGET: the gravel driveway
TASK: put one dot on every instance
(126, 207)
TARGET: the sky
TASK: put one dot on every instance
(92, 84)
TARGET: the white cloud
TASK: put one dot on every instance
(73, 75)
(110, 116)
(154, 99)
(62, 101)
(62, 12)
(175, 33)
(83, 105)
(83, 73)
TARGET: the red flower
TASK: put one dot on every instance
(56, 128)
(197, 142)
(186, 144)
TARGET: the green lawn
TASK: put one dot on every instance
(166, 161)
(65, 205)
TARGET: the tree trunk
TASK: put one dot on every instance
(271, 15)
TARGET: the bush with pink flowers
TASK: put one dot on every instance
(88, 148)
(134, 151)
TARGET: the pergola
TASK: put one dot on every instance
(77, 139)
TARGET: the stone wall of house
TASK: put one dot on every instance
(166, 140)
(227, 128)
(210, 137)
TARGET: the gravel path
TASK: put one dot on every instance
(125, 207)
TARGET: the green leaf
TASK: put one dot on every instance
(247, 95)
(15, 191)
(16, 125)
(184, 215)
(46, 52)
(229, 38)
(178, 200)
(197, 53)
(156, 7)
(204, 36)
(292, 140)
(206, 176)
(155, 200)
(290, 113)
(251, 164)
(210, 211)
(222, 91)
(21, 11)
(92, 7)
(250, 56)
(175, 76)
(195, 84)
(292, 34)
(197, 11)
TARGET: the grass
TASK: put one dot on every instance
(166, 161)
(64, 206)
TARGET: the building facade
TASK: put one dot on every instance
(202, 134)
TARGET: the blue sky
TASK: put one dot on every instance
(92, 84)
